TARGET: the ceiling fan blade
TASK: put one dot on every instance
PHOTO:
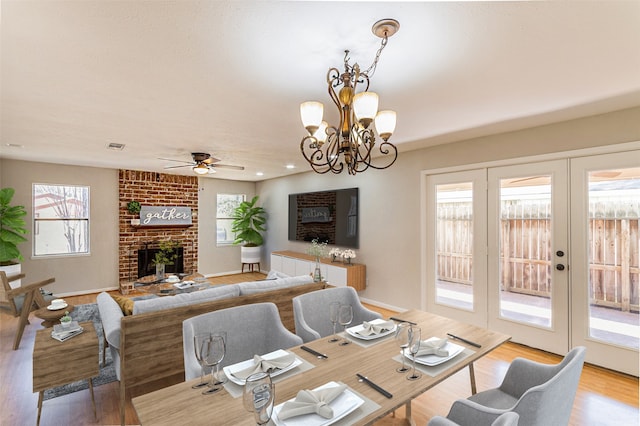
(227, 166)
(182, 165)
(177, 161)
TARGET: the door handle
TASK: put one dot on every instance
(560, 267)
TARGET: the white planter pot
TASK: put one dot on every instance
(13, 270)
(250, 254)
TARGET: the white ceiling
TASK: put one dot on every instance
(167, 78)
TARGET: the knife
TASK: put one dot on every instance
(401, 320)
(453, 336)
(316, 353)
(373, 385)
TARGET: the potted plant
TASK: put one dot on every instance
(248, 223)
(165, 256)
(134, 207)
(65, 320)
(12, 229)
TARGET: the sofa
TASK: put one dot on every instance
(147, 346)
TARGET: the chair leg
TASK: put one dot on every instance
(24, 319)
(472, 377)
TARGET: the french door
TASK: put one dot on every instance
(547, 252)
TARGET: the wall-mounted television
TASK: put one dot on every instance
(328, 216)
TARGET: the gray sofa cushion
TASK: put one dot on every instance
(255, 287)
(110, 315)
(215, 293)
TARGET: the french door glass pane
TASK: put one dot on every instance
(454, 245)
(525, 249)
(614, 211)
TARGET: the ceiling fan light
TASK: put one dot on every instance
(201, 169)
(365, 106)
(311, 115)
(386, 124)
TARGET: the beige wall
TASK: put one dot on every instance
(390, 199)
(212, 259)
(73, 274)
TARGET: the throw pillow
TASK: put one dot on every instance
(125, 304)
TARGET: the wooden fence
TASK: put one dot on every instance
(527, 256)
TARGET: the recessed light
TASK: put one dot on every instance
(290, 166)
(259, 174)
(115, 146)
(14, 145)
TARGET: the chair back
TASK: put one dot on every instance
(550, 403)
(311, 311)
(254, 329)
(7, 301)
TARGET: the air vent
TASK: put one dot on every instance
(116, 146)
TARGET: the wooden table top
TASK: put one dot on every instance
(49, 315)
(169, 405)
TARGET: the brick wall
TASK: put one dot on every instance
(155, 189)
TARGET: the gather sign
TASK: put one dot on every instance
(164, 215)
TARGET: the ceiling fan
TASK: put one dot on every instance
(202, 163)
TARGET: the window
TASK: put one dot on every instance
(60, 220)
(226, 204)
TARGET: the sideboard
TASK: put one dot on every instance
(335, 273)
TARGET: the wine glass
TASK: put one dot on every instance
(402, 337)
(212, 353)
(258, 396)
(414, 347)
(198, 339)
(334, 307)
(221, 378)
(345, 316)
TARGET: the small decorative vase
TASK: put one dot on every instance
(346, 261)
(317, 274)
(333, 258)
(159, 271)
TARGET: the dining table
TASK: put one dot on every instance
(375, 359)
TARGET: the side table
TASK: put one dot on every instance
(52, 317)
(57, 363)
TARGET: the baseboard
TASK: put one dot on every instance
(84, 292)
(383, 305)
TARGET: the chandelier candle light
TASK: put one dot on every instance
(328, 148)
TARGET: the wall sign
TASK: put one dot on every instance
(164, 216)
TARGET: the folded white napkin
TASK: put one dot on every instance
(308, 402)
(375, 328)
(265, 365)
(433, 347)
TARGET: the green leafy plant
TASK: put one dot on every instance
(167, 254)
(12, 228)
(65, 318)
(248, 223)
(133, 207)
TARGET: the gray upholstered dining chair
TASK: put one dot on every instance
(251, 330)
(311, 311)
(505, 419)
(541, 394)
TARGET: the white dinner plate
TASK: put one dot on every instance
(57, 307)
(431, 360)
(185, 284)
(353, 331)
(342, 406)
(230, 369)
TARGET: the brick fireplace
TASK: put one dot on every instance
(155, 189)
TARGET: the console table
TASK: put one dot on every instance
(334, 273)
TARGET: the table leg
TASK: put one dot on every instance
(472, 377)
(408, 414)
(93, 400)
(40, 396)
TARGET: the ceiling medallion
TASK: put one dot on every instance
(350, 145)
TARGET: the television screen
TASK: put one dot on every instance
(328, 216)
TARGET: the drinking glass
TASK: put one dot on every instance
(258, 397)
(221, 378)
(333, 316)
(212, 353)
(345, 316)
(414, 347)
(402, 337)
(198, 339)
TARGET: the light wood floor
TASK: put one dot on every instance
(604, 397)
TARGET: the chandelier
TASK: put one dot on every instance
(351, 144)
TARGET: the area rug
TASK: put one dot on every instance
(89, 312)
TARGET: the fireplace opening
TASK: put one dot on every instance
(146, 266)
